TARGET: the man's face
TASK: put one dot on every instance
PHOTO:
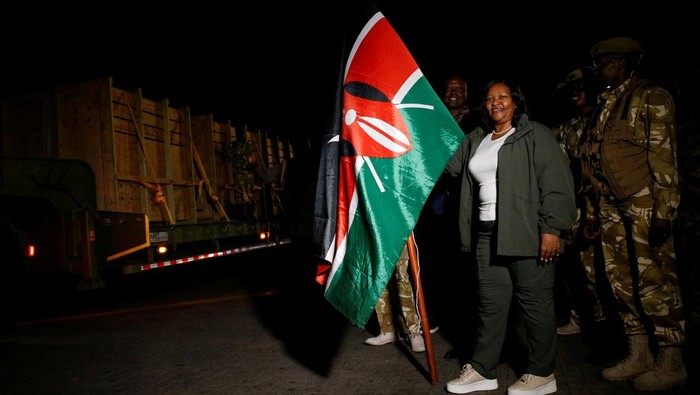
(608, 67)
(455, 93)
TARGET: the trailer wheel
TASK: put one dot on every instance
(12, 275)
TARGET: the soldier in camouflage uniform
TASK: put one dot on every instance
(409, 320)
(630, 175)
(580, 266)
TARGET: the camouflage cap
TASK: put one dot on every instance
(617, 45)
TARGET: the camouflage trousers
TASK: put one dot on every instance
(409, 321)
(643, 279)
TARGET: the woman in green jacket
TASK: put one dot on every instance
(517, 200)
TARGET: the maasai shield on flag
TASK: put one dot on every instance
(388, 144)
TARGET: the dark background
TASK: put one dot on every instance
(273, 66)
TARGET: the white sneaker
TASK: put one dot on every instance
(432, 329)
(381, 339)
(417, 343)
(529, 384)
(470, 380)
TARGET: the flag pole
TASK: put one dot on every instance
(425, 326)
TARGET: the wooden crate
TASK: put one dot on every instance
(152, 147)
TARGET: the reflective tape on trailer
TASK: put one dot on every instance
(218, 254)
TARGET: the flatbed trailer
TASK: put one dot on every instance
(96, 179)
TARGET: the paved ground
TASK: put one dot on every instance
(231, 334)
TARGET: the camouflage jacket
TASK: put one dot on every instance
(630, 150)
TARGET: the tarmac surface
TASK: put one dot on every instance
(235, 328)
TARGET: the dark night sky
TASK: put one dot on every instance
(274, 67)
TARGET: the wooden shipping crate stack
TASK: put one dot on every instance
(148, 157)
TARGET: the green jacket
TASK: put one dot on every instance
(535, 189)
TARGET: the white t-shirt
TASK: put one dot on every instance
(483, 168)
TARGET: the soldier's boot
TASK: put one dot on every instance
(637, 362)
(668, 371)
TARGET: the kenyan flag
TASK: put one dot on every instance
(389, 141)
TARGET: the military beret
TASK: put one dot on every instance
(617, 45)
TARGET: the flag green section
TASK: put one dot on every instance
(385, 218)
